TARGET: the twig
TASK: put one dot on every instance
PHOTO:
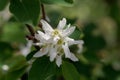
(43, 15)
(43, 12)
(31, 30)
(31, 37)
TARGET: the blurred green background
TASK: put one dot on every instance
(99, 23)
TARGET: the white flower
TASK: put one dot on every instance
(5, 67)
(55, 42)
(25, 50)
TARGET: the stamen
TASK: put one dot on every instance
(55, 33)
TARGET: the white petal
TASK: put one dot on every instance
(42, 52)
(61, 24)
(42, 37)
(68, 39)
(38, 44)
(68, 31)
(73, 57)
(79, 42)
(55, 39)
(68, 26)
(80, 48)
(25, 50)
(66, 50)
(29, 44)
(38, 54)
(59, 60)
(37, 36)
(46, 27)
(53, 54)
(75, 42)
(45, 36)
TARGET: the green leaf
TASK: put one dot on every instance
(76, 34)
(26, 10)
(69, 71)
(83, 69)
(42, 69)
(17, 67)
(69, 1)
(16, 62)
(93, 42)
(30, 55)
(58, 2)
(14, 75)
(13, 32)
(6, 51)
(3, 4)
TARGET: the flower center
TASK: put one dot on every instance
(55, 33)
(60, 42)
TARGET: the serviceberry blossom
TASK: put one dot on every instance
(25, 50)
(55, 42)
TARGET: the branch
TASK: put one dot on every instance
(43, 12)
(31, 30)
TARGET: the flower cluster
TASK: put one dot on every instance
(55, 42)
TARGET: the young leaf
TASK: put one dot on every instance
(26, 10)
(42, 69)
(58, 2)
(69, 71)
